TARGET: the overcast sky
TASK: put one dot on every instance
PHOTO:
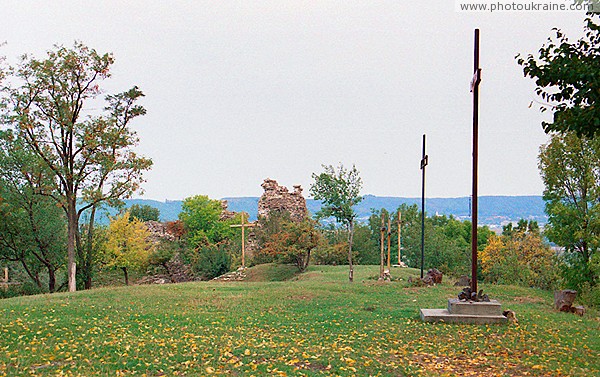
(240, 91)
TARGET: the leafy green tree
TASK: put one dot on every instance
(144, 212)
(127, 246)
(566, 77)
(50, 104)
(32, 233)
(366, 248)
(570, 168)
(447, 240)
(339, 190)
(32, 230)
(201, 217)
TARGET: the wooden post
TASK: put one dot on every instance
(243, 226)
(243, 244)
(382, 241)
(399, 237)
(389, 237)
(6, 274)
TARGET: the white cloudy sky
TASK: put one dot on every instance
(238, 91)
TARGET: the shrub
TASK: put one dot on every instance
(336, 254)
(211, 261)
(520, 258)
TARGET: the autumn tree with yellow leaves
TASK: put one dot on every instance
(519, 256)
(127, 245)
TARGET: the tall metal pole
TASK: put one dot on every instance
(399, 237)
(423, 164)
(475, 89)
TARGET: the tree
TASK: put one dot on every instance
(201, 217)
(570, 169)
(520, 257)
(566, 76)
(144, 212)
(32, 230)
(339, 190)
(50, 105)
(32, 233)
(127, 245)
(286, 241)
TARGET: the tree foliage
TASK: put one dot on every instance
(127, 246)
(519, 257)
(50, 104)
(32, 230)
(201, 218)
(567, 77)
(570, 168)
(339, 190)
(282, 240)
(144, 212)
(447, 240)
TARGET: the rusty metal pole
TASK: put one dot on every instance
(423, 164)
(475, 89)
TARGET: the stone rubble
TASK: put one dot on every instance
(159, 232)
(277, 198)
(225, 213)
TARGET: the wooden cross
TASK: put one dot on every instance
(243, 225)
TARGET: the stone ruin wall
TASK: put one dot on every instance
(277, 198)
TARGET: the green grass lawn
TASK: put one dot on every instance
(314, 324)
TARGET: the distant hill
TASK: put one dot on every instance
(493, 210)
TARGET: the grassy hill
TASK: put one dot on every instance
(315, 323)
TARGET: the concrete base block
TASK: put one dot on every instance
(478, 313)
(493, 307)
(443, 315)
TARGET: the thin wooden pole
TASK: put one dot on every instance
(6, 274)
(389, 237)
(382, 229)
(243, 244)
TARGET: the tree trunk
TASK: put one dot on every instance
(126, 275)
(71, 232)
(563, 300)
(350, 239)
(33, 276)
(51, 280)
(89, 250)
